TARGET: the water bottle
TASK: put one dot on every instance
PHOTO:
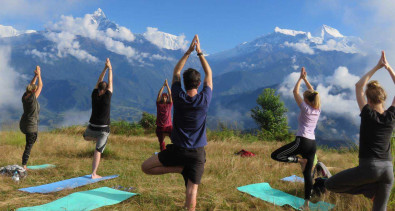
(15, 177)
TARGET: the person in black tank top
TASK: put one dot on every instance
(374, 176)
(98, 129)
(31, 109)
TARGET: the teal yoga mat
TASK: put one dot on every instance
(44, 166)
(265, 192)
(84, 200)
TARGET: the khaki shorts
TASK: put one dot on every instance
(97, 135)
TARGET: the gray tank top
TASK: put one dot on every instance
(31, 110)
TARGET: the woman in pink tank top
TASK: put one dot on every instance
(304, 143)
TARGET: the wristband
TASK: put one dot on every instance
(200, 54)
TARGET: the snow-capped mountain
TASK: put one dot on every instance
(165, 40)
(71, 53)
(281, 39)
(102, 21)
(328, 32)
(9, 31)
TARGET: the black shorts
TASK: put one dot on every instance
(191, 159)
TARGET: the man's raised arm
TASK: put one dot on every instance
(101, 77)
(108, 64)
(183, 60)
(208, 74)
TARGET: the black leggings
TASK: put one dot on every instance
(30, 140)
(305, 147)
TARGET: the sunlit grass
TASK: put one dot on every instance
(124, 154)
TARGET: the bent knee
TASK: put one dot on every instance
(274, 156)
(145, 168)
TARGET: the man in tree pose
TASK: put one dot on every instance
(186, 155)
(99, 123)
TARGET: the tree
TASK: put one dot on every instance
(270, 113)
(148, 121)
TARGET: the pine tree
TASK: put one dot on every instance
(270, 114)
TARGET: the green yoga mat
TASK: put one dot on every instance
(85, 200)
(44, 166)
(265, 192)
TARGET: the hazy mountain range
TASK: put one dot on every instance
(71, 53)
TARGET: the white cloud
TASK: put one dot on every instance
(159, 57)
(65, 32)
(300, 46)
(43, 56)
(342, 104)
(165, 40)
(294, 65)
(342, 78)
(121, 33)
(288, 84)
(66, 44)
(9, 31)
(288, 31)
(11, 91)
(75, 117)
(333, 45)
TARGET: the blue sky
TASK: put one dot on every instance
(221, 24)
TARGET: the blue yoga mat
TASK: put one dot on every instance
(85, 200)
(44, 166)
(65, 184)
(265, 192)
(293, 178)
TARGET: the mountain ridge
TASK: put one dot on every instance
(71, 53)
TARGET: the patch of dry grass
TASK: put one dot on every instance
(224, 172)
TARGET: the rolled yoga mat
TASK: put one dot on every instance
(44, 166)
(65, 184)
(84, 200)
(265, 192)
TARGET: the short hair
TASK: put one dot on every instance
(31, 88)
(313, 97)
(102, 85)
(375, 93)
(191, 79)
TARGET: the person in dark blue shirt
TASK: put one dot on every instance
(186, 154)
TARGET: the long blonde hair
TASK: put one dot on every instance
(31, 88)
(375, 93)
(313, 98)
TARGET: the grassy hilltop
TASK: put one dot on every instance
(124, 154)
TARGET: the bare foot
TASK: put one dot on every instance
(25, 167)
(305, 205)
(95, 176)
(302, 162)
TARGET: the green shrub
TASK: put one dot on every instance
(270, 115)
(126, 128)
(148, 121)
(14, 138)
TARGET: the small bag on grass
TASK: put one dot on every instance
(11, 169)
